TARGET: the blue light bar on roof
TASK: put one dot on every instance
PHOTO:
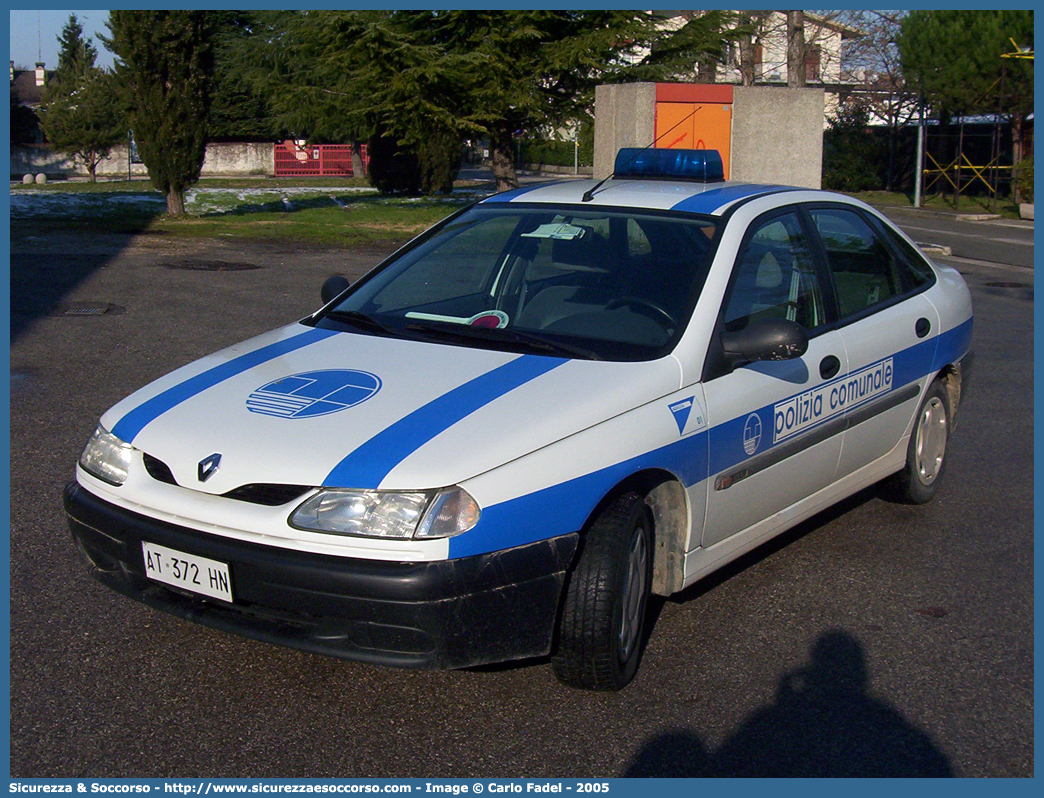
(702, 165)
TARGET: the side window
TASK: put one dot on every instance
(914, 270)
(776, 278)
(865, 271)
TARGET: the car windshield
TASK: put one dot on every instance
(576, 282)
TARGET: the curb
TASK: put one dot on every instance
(944, 214)
(977, 217)
(935, 249)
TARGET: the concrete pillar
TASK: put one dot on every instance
(625, 116)
(777, 136)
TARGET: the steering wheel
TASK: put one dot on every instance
(645, 307)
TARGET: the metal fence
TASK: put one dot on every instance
(316, 160)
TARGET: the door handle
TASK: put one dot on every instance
(923, 327)
(829, 366)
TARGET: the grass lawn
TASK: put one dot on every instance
(332, 211)
(324, 211)
(141, 184)
(1005, 207)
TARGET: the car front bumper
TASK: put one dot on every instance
(447, 614)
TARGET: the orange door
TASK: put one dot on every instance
(696, 126)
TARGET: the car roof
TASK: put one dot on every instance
(711, 199)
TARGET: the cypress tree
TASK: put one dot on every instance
(165, 62)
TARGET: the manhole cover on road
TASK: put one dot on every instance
(212, 265)
(86, 309)
(1002, 284)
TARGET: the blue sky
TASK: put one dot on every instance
(36, 32)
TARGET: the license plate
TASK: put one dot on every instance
(187, 571)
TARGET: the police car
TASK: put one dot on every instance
(499, 442)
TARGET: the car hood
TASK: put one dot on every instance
(306, 406)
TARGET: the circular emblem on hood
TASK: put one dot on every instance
(313, 393)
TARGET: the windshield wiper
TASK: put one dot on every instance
(558, 346)
(497, 334)
(363, 321)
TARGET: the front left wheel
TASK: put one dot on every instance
(602, 625)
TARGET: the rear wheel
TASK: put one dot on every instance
(602, 626)
(926, 454)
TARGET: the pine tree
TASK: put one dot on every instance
(82, 116)
(427, 79)
(76, 55)
(81, 113)
(956, 58)
(540, 67)
(165, 63)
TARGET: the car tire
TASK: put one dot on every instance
(926, 454)
(601, 628)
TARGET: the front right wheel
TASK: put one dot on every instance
(602, 624)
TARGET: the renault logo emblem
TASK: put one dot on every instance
(208, 466)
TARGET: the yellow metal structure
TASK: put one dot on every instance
(1019, 52)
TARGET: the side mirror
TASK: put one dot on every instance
(333, 286)
(766, 339)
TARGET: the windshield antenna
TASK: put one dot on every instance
(589, 194)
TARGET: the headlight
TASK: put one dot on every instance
(106, 457)
(382, 514)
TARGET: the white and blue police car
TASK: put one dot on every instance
(499, 442)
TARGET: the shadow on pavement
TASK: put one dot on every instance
(823, 722)
(46, 263)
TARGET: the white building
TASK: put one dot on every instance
(824, 37)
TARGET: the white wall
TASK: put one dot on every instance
(222, 159)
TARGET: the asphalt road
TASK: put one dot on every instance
(876, 639)
(1004, 241)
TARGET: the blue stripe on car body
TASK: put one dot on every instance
(911, 364)
(368, 465)
(715, 200)
(570, 503)
(953, 344)
(513, 194)
(567, 505)
(128, 427)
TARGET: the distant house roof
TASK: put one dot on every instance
(24, 87)
(846, 31)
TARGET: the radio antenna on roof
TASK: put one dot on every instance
(589, 194)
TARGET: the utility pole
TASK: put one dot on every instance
(919, 176)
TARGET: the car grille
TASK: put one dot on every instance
(269, 495)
